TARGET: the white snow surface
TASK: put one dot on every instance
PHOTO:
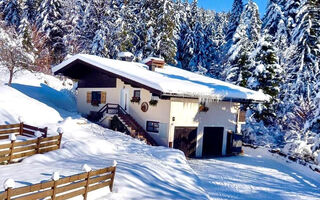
(257, 175)
(170, 80)
(125, 54)
(143, 171)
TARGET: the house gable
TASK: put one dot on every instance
(91, 76)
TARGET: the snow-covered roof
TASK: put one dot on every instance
(170, 81)
(125, 54)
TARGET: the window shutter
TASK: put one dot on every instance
(103, 97)
(242, 116)
(89, 97)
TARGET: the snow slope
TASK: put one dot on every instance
(256, 175)
(143, 172)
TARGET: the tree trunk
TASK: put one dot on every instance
(10, 76)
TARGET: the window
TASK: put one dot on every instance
(152, 127)
(136, 93)
(136, 96)
(95, 98)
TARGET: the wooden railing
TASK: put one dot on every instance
(110, 109)
(18, 150)
(64, 188)
(20, 129)
(116, 109)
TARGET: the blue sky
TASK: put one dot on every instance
(226, 5)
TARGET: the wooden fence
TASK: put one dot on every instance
(20, 129)
(19, 150)
(64, 188)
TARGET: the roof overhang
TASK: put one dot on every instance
(225, 99)
(70, 68)
(68, 72)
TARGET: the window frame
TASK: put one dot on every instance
(135, 92)
(98, 101)
(154, 128)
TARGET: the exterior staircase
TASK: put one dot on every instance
(126, 119)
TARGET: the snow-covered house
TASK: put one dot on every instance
(177, 108)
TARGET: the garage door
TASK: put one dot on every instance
(212, 141)
(185, 139)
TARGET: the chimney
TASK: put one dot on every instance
(125, 56)
(154, 63)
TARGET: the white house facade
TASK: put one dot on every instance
(179, 109)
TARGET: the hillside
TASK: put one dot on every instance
(278, 54)
(143, 172)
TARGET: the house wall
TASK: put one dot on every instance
(184, 111)
(113, 96)
(220, 114)
(159, 113)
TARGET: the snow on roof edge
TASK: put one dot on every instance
(255, 96)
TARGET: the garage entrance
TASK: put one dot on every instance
(212, 141)
(185, 139)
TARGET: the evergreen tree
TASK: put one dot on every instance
(267, 77)
(50, 21)
(244, 40)
(275, 25)
(12, 13)
(234, 20)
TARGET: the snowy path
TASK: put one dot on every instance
(257, 175)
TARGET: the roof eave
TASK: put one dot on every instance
(226, 99)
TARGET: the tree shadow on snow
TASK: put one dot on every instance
(61, 101)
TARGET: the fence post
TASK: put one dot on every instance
(13, 139)
(8, 186)
(55, 178)
(60, 131)
(21, 128)
(86, 187)
(45, 132)
(9, 191)
(38, 145)
(113, 175)
(60, 138)
(87, 169)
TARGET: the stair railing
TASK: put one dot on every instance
(117, 109)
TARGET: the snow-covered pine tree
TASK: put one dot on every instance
(73, 25)
(114, 23)
(98, 46)
(131, 41)
(12, 13)
(275, 25)
(266, 76)
(26, 24)
(219, 29)
(87, 25)
(29, 10)
(50, 21)
(159, 18)
(302, 82)
(244, 39)
(234, 21)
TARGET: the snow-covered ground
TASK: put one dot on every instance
(143, 172)
(256, 175)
